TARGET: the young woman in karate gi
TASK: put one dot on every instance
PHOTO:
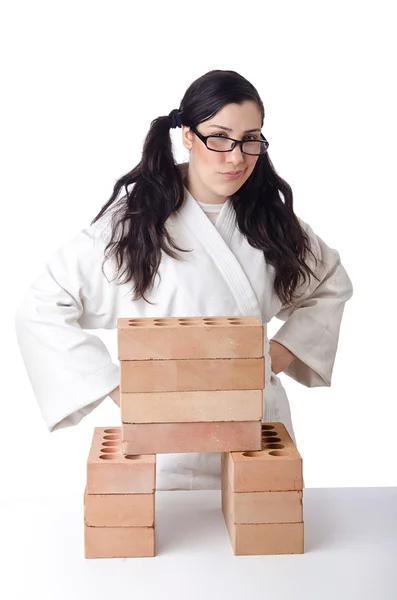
(187, 240)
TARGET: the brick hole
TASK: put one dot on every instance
(107, 456)
(267, 427)
(279, 453)
(269, 433)
(215, 321)
(190, 321)
(256, 453)
(161, 319)
(107, 449)
(136, 324)
(214, 318)
(112, 437)
(271, 440)
(110, 444)
(235, 322)
(164, 321)
(132, 456)
(273, 446)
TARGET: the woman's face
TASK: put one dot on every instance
(207, 183)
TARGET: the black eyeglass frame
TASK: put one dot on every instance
(204, 139)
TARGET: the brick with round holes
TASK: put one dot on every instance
(109, 471)
(277, 467)
(190, 337)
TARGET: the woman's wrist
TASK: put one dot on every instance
(280, 356)
(115, 395)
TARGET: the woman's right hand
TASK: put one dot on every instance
(115, 395)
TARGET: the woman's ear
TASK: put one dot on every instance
(187, 137)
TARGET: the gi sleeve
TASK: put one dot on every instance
(312, 323)
(70, 370)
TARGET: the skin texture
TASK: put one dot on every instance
(206, 185)
(204, 181)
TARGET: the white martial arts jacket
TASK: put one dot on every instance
(71, 370)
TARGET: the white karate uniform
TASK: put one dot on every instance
(71, 371)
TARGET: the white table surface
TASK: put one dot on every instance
(350, 552)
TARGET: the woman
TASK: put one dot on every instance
(188, 240)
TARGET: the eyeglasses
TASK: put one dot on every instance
(218, 143)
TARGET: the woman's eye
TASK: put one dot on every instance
(253, 137)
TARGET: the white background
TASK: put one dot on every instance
(81, 82)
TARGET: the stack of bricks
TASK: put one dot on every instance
(262, 496)
(191, 384)
(119, 500)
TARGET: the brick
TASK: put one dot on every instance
(192, 375)
(264, 507)
(190, 337)
(164, 438)
(109, 471)
(119, 510)
(119, 542)
(196, 406)
(267, 538)
(277, 467)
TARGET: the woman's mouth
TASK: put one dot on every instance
(232, 174)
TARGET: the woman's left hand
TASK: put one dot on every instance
(280, 356)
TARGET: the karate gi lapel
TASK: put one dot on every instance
(215, 241)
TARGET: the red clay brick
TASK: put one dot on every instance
(192, 375)
(119, 542)
(277, 467)
(197, 406)
(119, 510)
(109, 471)
(190, 337)
(264, 507)
(164, 438)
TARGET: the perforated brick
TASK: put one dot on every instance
(196, 406)
(190, 337)
(109, 471)
(192, 375)
(119, 542)
(119, 510)
(164, 438)
(276, 467)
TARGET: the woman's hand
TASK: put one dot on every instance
(280, 356)
(115, 395)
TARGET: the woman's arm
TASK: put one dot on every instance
(70, 370)
(312, 324)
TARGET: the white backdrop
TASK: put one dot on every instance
(81, 83)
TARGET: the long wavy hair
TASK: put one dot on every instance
(138, 225)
